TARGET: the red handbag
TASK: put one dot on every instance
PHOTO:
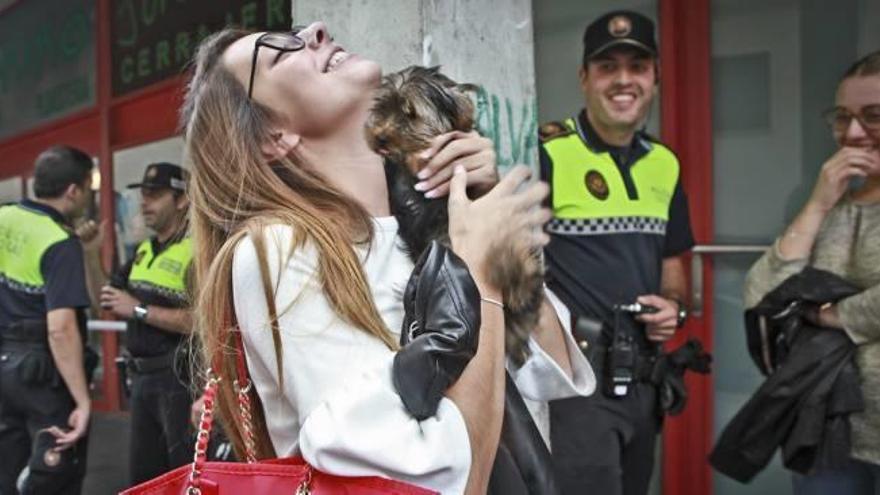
(288, 475)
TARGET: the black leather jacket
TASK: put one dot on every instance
(812, 384)
(439, 337)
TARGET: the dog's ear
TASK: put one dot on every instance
(468, 88)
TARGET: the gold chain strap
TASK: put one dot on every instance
(247, 420)
(205, 422)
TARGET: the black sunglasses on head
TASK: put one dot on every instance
(283, 42)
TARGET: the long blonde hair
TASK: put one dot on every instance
(236, 192)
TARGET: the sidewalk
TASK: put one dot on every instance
(108, 454)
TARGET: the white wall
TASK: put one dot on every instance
(10, 190)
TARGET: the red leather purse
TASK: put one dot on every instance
(288, 475)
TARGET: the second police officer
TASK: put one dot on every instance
(151, 292)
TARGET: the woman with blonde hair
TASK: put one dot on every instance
(294, 244)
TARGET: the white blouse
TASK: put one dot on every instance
(338, 407)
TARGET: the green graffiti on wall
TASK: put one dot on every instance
(512, 127)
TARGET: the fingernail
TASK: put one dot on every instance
(459, 169)
(431, 194)
(423, 174)
(421, 186)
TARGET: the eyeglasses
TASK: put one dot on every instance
(283, 42)
(840, 118)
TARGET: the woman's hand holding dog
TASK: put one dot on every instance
(506, 212)
(473, 152)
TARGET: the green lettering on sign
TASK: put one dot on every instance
(276, 14)
(161, 35)
(181, 48)
(249, 15)
(163, 55)
(152, 10)
(127, 69)
(143, 64)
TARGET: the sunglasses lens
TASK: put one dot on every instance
(283, 41)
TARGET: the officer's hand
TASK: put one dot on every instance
(91, 234)
(119, 302)
(834, 178)
(468, 149)
(78, 421)
(659, 326)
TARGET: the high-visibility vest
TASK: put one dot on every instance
(25, 236)
(162, 275)
(589, 196)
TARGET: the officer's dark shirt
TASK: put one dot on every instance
(142, 339)
(63, 270)
(591, 273)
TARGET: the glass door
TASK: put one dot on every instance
(775, 66)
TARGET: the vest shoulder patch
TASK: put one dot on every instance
(552, 130)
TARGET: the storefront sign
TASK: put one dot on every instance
(155, 39)
(47, 62)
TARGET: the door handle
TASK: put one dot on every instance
(697, 253)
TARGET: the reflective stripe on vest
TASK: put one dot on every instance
(165, 274)
(25, 235)
(590, 197)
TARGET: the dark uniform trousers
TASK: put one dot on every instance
(605, 446)
(161, 436)
(33, 397)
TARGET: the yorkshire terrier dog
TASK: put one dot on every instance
(412, 107)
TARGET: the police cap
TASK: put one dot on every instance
(163, 175)
(621, 27)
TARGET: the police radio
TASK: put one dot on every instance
(621, 360)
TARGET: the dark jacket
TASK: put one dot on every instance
(812, 385)
(439, 337)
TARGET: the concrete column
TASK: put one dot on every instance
(485, 42)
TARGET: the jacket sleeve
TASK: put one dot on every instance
(767, 273)
(336, 404)
(860, 315)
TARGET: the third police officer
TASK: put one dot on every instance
(151, 292)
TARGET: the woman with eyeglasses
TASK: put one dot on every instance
(838, 230)
(283, 180)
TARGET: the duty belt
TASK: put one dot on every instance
(644, 368)
(151, 364)
(27, 333)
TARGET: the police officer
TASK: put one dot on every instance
(150, 291)
(44, 398)
(620, 224)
